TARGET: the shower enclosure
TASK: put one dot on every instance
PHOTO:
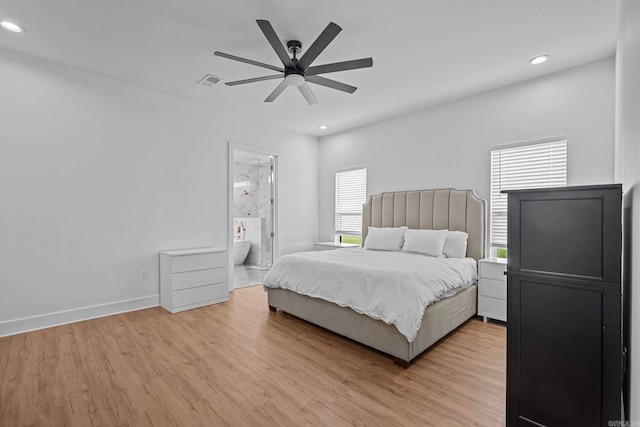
(253, 205)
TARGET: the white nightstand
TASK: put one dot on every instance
(492, 288)
(192, 278)
(325, 246)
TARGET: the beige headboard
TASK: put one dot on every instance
(459, 210)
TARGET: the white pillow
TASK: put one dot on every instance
(386, 238)
(455, 246)
(428, 242)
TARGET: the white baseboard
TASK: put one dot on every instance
(26, 324)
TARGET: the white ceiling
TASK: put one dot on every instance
(425, 52)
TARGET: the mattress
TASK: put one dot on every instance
(392, 286)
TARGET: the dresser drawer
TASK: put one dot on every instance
(492, 270)
(200, 294)
(493, 288)
(199, 261)
(492, 307)
(192, 279)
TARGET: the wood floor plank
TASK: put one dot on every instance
(239, 364)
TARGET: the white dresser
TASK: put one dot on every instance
(192, 278)
(492, 288)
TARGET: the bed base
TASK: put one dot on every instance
(439, 319)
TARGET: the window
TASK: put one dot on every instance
(351, 194)
(526, 165)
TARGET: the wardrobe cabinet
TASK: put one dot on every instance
(564, 350)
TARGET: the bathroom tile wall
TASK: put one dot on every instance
(245, 191)
(252, 208)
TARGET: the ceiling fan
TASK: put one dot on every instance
(299, 72)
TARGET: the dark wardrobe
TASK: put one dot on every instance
(564, 349)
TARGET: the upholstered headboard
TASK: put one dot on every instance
(459, 210)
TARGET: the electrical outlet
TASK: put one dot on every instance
(144, 274)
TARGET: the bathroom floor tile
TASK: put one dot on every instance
(248, 275)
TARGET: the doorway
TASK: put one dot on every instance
(253, 207)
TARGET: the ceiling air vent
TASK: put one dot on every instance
(209, 80)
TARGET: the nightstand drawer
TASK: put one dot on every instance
(208, 293)
(492, 307)
(198, 261)
(493, 288)
(492, 270)
(192, 279)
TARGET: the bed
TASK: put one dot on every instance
(439, 209)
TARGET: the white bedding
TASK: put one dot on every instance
(392, 286)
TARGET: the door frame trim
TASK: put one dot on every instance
(232, 148)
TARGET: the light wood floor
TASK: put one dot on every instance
(238, 364)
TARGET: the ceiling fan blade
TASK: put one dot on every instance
(323, 40)
(276, 92)
(253, 80)
(339, 66)
(248, 61)
(275, 42)
(305, 90)
(322, 81)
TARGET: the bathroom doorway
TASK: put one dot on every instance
(253, 208)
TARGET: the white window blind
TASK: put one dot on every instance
(351, 194)
(534, 165)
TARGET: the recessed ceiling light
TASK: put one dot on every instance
(12, 27)
(323, 127)
(538, 59)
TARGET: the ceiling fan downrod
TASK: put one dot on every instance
(294, 47)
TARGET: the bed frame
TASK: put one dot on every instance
(428, 209)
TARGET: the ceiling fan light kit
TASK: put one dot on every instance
(298, 72)
(294, 80)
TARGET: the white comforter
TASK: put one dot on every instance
(394, 287)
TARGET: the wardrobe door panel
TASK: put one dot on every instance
(562, 236)
(560, 357)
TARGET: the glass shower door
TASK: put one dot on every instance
(269, 232)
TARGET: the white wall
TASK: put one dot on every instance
(448, 145)
(628, 172)
(97, 176)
